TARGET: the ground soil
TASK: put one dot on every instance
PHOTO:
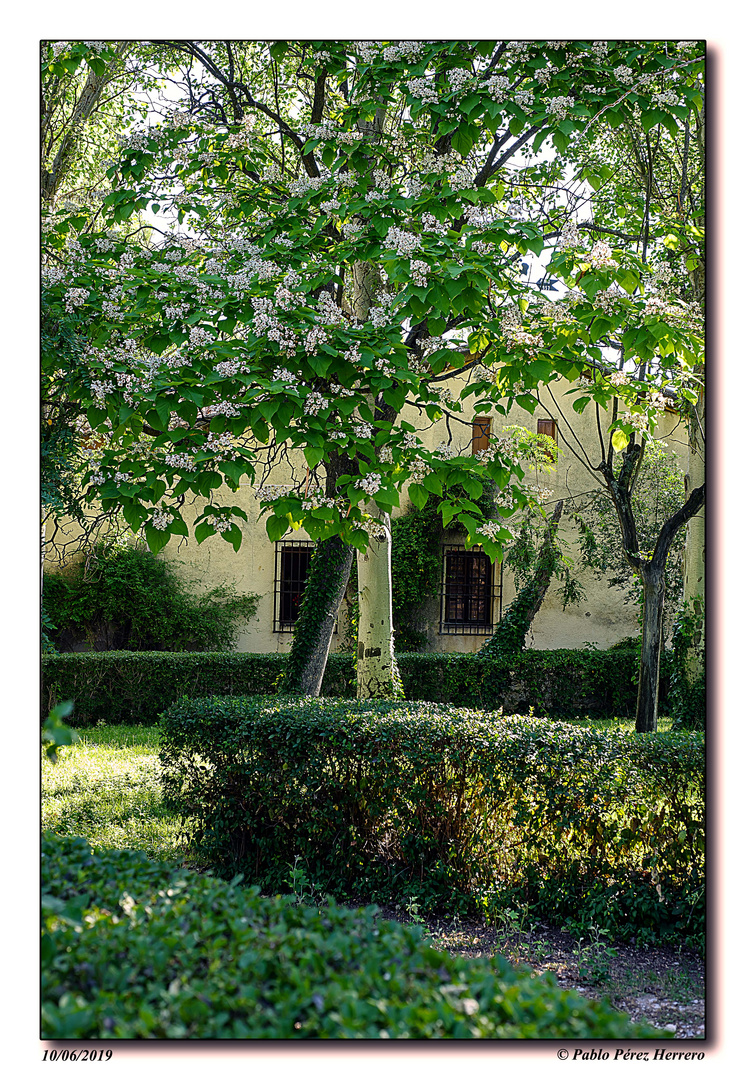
(663, 986)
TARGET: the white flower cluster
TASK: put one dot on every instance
(266, 322)
(74, 298)
(490, 529)
(161, 519)
(403, 242)
(370, 483)
(545, 75)
(330, 313)
(221, 523)
(199, 336)
(419, 271)
(314, 403)
(444, 452)
(221, 446)
(423, 90)
(600, 257)
(618, 378)
(58, 48)
(419, 469)
(497, 85)
(180, 461)
(410, 440)
(431, 224)
(559, 106)
(540, 494)
(524, 98)
(569, 237)
(458, 78)
(624, 75)
(362, 430)
(353, 228)
(177, 311)
(376, 530)
(403, 50)
(666, 97)
(281, 374)
(638, 421)
(271, 492)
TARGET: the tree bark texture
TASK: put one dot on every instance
(654, 592)
(327, 580)
(377, 670)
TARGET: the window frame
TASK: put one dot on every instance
(282, 625)
(491, 597)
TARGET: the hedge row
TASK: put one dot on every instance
(135, 687)
(465, 810)
(135, 949)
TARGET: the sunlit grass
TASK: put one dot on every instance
(616, 723)
(106, 788)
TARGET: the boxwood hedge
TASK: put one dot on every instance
(465, 809)
(133, 949)
(135, 687)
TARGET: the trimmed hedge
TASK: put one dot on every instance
(134, 688)
(135, 949)
(467, 811)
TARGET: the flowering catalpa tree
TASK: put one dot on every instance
(350, 220)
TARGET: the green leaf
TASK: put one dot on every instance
(619, 440)
(418, 495)
(313, 456)
(277, 527)
(156, 539)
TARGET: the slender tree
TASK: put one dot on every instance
(353, 219)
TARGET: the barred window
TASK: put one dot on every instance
(471, 593)
(291, 570)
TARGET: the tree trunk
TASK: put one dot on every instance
(694, 551)
(327, 580)
(510, 634)
(654, 592)
(377, 671)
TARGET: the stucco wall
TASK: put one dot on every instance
(602, 619)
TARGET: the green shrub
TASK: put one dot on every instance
(127, 598)
(136, 949)
(134, 688)
(464, 810)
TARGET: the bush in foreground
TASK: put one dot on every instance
(467, 810)
(137, 949)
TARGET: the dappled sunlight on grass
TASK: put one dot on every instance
(107, 789)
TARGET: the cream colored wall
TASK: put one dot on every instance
(602, 619)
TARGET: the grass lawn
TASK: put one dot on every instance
(106, 788)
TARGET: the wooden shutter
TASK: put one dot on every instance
(547, 427)
(480, 433)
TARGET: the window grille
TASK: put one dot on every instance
(471, 592)
(291, 570)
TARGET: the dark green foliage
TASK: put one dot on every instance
(466, 810)
(127, 598)
(416, 568)
(688, 682)
(165, 953)
(327, 579)
(134, 688)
